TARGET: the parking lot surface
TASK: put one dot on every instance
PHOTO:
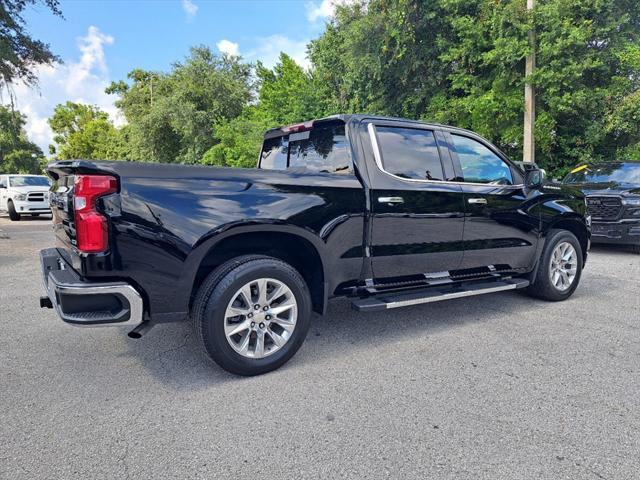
(500, 386)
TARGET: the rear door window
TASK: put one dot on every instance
(410, 153)
(322, 149)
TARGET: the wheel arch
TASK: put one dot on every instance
(291, 244)
(575, 225)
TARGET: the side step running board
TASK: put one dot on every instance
(385, 301)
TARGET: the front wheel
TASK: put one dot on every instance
(560, 267)
(252, 314)
(13, 215)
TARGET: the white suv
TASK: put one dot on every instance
(24, 195)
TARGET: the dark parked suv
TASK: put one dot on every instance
(613, 201)
(388, 212)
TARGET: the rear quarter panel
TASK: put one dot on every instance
(172, 216)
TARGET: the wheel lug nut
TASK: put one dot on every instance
(250, 315)
(261, 325)
(267, 317)
(256, 307)
(265, 308)
(253, 324)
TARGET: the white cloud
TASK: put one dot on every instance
(228, 47)
(189, 8)
(82, 81)
(269, 48)
(325, 9)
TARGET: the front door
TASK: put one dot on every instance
(498, 231)
(417, 217)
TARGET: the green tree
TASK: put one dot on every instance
(17, 153)
(381, 57)
(286, 94)
(172, 116)
(19, 52)
(85, 132)
(238, 140)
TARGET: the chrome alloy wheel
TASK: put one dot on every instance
(564, 266)
(260, 318)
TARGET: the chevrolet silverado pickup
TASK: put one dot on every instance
(613, 200)
(385, 211)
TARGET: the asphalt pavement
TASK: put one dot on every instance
(499, 386)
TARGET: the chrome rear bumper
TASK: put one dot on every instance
(88, 304)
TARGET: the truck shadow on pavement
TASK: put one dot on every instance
(173, 354)
(29, 218)
(617, 250)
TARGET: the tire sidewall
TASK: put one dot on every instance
(554, 241)
(13, 214)
(213, 334)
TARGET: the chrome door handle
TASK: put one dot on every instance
(390, 200)
(481, 201)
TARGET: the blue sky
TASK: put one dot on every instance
(100, 41)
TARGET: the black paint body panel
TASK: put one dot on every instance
(166, 219)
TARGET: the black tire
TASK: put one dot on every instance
(542, 286)
(208, 312)
(636, 249)
(13, 215)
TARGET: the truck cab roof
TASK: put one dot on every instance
(355, 117)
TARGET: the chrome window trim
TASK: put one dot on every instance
(371, 128)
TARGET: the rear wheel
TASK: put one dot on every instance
(13, 215)
(252, 314)
(560, 267)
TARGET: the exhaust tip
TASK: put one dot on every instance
(45, 302)
(139, 331)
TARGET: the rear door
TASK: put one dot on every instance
(416, 215)
(499, 231)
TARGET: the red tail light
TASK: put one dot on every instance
(91, 226)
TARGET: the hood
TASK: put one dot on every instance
(30, 188)
(611, 188)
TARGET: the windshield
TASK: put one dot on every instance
(606, 173)
(26, 181)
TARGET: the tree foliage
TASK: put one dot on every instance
(172, 116)
(286, 94)
(462, 62)
(17, 153)
(84, 132)
(19, 52)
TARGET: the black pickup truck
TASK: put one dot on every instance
(613, 200)
(388, 212)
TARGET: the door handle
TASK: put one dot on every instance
(390, 200)
(480, 201)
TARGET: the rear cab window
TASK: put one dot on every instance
(321, 148)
